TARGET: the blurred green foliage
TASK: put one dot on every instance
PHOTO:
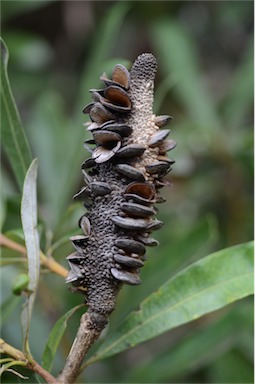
(58, 50)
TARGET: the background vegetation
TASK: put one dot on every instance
(58, 50)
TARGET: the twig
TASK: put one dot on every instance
(47, 262)
(91, 326)
(4, 241)
(29, 362)
(53, 265)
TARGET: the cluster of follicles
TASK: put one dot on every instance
(123, 176)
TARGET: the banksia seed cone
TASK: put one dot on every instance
(123, 176)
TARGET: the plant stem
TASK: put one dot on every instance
(4, 241)
(47, 262)
(29, 363)
(53, 265)
(91, 326)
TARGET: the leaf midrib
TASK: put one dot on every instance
(168, 310)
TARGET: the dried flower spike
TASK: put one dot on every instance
(127, 167)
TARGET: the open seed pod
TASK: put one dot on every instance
(120, 76)
(122, 176)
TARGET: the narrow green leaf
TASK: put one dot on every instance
(29, 224)
(162, 90)
(55, 338)
(240, 97)
(7, 307)
(196, 349)
(102, 44)
(13, 136)
(232, 367)
(209, 284)
(190, 246)
(177, 55)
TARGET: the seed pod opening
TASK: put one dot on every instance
(144, 190)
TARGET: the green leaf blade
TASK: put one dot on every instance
(7, 307)
(239, 97)
(55, 338)
(207, 285)
(178, 54)
(29, 224)
(13, 136)
(197, 348)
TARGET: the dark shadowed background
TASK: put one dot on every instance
(58, 50)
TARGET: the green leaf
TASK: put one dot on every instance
(29, 224)
(7, 307)
(196, 349)
(178, 56)
(209, 284)
(162, 90)
(232, 367)
(55, 338)
(190, 246)
(239, 97)
(48, 116)
(13, 136)
(102, 45)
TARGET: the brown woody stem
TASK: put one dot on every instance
(29, 363)
(91, 326)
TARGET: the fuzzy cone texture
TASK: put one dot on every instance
(123, 177)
